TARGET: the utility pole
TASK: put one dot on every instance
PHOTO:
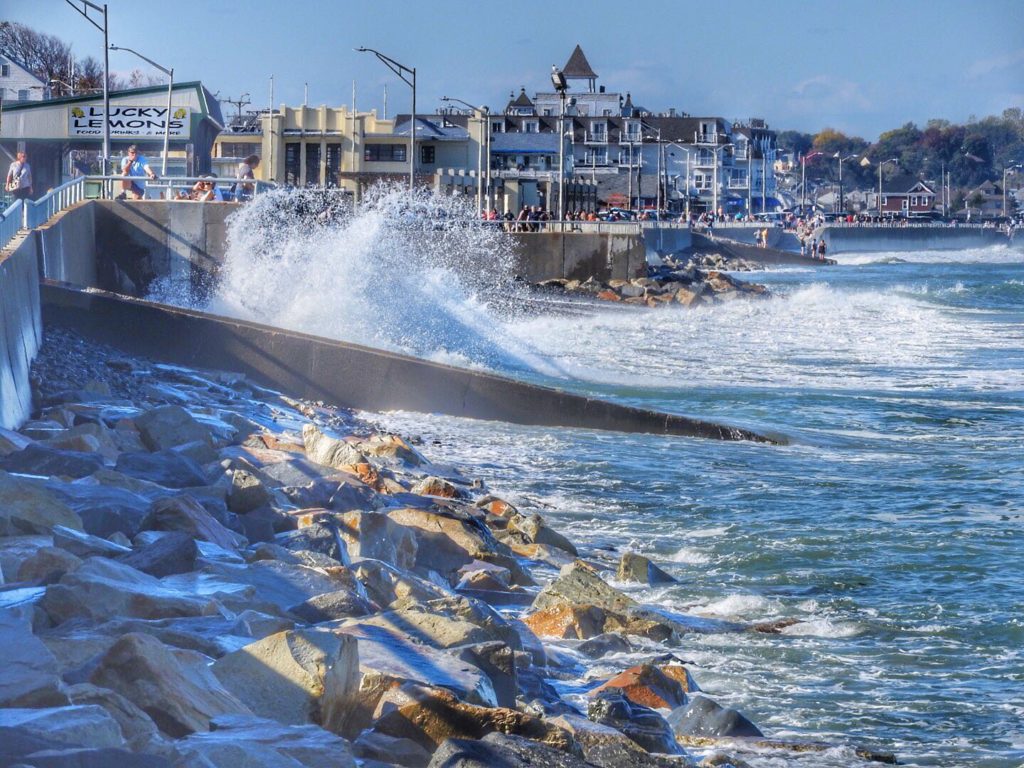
(105, 29)
(241, 101)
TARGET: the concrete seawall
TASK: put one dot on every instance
(579, 255)
(20, 328)
(918, 238)
(346, 374)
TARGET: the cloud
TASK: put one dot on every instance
(824, 92)
(984, 67)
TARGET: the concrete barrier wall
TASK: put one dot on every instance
(67, 245)
(20, 327)
(579, 255)
(345, 374)
(666, 242)
(937, 238)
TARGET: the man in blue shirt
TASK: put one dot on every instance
(133, 166)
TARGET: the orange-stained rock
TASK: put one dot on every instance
(681, 675)
(608, 296)
(579, 622)
(436, 486)
(646, 685)
(497, 506)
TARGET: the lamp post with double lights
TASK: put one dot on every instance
(408, 76)
(561, 85)
(483, 151)
(686, 186)
(841, 161)
(714, 190)
(86, 6)
(880, 165)
(170, 93)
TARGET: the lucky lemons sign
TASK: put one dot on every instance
(130, 122)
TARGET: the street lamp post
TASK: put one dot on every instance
(890, 160)
(561, 85)
(482, 149)
(84, 10)
(714, 203)
(408, 76)
(687, 150)
(841, 161)
(170, 93)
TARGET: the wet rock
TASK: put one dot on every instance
(183, 513)
(429, 715)
(176, 552)
(386, 584)
(86, 545)
(168, 426)
(637, 568)
(12, 442)
(29, 675)
(80, 726)
(27, 508)
(329, 451)
(580, 584)
(166, 468)
(139, 730)
(175, 688)
(436, 486)
(642, 724)
(645, 685)
(40, 459)
(103, 511)
(470, 610)
(446, 542)
(498, 661)
(388, 659)
(331, 606)
(680, 674)
(377, 536)
(433, 629)
(390, 750)
(606, 747)
(247, 492)
(479, 575)
(689, 297)
(48, 565)
(705, 717)
(101, 589)
(234, 741)
(80, 757)
(573, 622)
(536, 531)
(604, 644)
(295, 677)
(502, 750)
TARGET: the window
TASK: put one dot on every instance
(239, 149)
(5, 70)
(530, 126)
(312, 165)
(22, 94)
(292, 153)
(333, 164)
(546, 112)
(427, 154)
(497, 127)
(913, 201)
(384, 153)
(885, 199)
(702, 180)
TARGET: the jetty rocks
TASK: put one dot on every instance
(702, 280)
(198, 572)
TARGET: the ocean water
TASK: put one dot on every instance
(889, 527)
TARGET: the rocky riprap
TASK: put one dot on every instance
(701, 280)
(197, 571)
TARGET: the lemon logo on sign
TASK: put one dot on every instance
(77, 112)
(179, 113)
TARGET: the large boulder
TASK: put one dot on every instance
(247, 492)
(101, 589)
(429, 715)
(447, 541)
(167, 468)
(175, 688)
(607, 747)
(579, 584)
(139, 730)
(375, 535)
(379, 748)
(502, 750)
(386, 584)
(47, 565)
(29, 675)
(28, 508)
(535, 530)
(85, 544)
(645, 685)
(637, 568)
(185, 514)
(103, 510)
(298, 677)
(235, 740)
(169, 426)
(329, 451)
(704, 717)
(175, 552)
(332, 606)
(642, 724)
(84, 725)
(40, 459)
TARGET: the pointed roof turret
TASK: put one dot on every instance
(521, 105)
(577, 67)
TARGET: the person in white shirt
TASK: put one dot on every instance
(134, 166)
(19, 177)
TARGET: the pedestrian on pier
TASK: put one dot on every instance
(19, 177)
(134, 166)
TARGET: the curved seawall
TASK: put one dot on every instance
(870, 239)
(20, 328)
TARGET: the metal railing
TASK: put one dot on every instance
(38, 212)
(11, 221)
(175, 187)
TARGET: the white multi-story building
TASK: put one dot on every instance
(17, 83)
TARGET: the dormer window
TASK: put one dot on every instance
(530, 126)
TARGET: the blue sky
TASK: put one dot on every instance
(859, 67)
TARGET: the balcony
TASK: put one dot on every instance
(634, 137)
(596, 137)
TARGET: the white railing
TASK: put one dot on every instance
(38, 212)
(170, 187)
(10, 223)
(596, 138)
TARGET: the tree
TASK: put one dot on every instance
(794, 141)
(46, 56)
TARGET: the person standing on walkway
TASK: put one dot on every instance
(19, 177)
(135, 166)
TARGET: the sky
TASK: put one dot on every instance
(859, 67)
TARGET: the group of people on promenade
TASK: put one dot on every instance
(135, 168)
